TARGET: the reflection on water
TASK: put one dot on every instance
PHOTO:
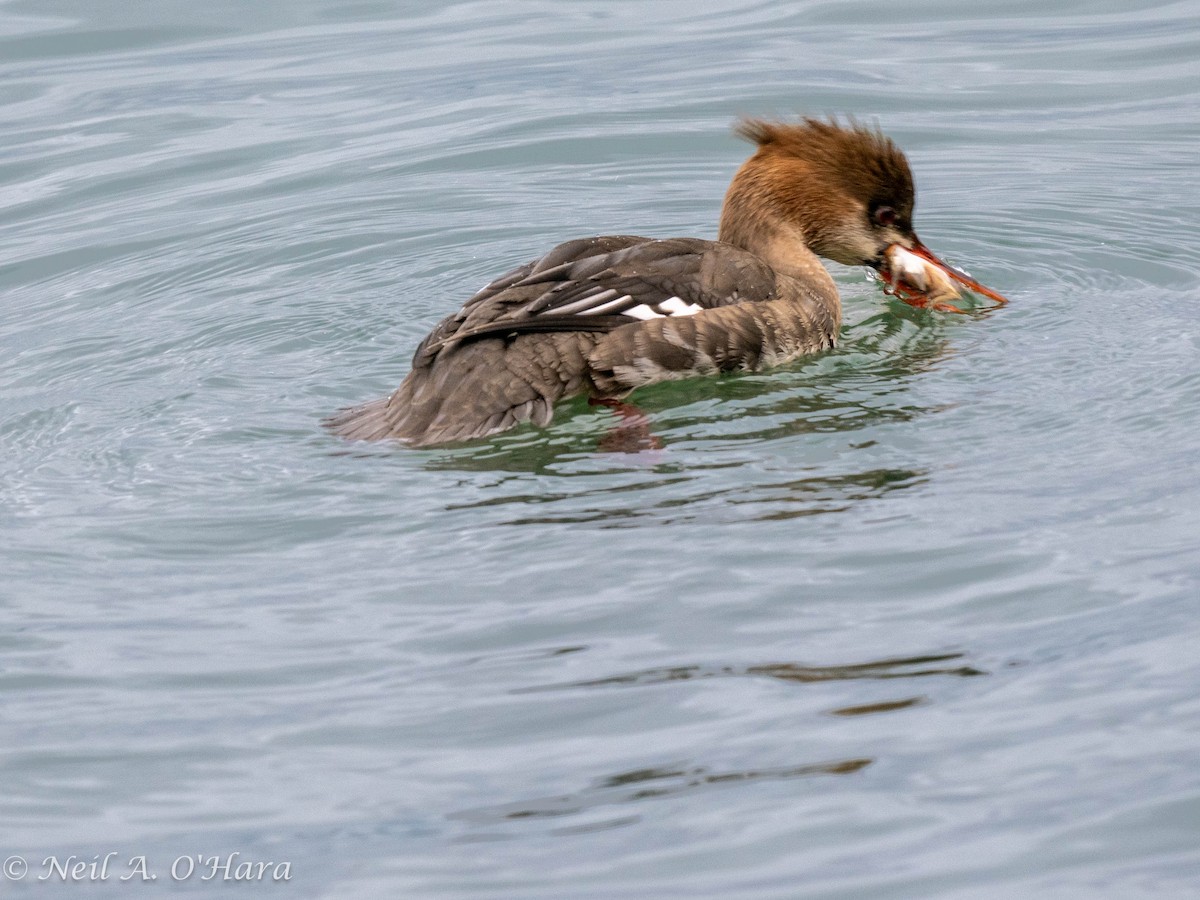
(867, 709)
(666, 781)
(648, 784)
(791, 499)
(860, 385)
(325, 648)
(906, 667)
(709, 429)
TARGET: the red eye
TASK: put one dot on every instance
(885, 216)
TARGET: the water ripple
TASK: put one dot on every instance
(222, 221)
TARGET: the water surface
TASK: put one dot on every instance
(916, 618)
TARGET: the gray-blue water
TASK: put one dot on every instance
(917, 618)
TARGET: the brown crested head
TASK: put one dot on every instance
(847, 190)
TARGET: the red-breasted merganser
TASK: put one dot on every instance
(602, 316)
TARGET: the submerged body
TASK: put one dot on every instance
(598, 316)
(605, 315)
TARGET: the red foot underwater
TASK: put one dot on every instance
(631, 434)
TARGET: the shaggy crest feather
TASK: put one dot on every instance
(848, 154)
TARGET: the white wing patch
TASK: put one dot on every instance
(676, 307)
(608, 302)
(672, 306)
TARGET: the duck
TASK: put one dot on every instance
(603, 316)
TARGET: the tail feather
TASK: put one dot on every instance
(475, 390)
(367, 422)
